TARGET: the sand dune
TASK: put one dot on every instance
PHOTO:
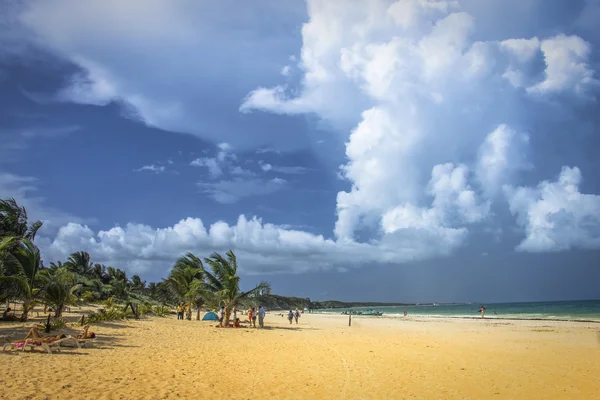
(321, 358)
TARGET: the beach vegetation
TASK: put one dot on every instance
(211, 282)
(221, 286)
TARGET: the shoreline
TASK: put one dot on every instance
(459, 317)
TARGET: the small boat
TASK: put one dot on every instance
(371, 312)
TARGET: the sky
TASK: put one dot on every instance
(377, 150)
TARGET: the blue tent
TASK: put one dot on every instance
(210, 316)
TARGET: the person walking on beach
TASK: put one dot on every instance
(221, 316)
(253, 317)
(250, 315)
(296, 316)
(291, 316)
(261, 317)
(482, 311)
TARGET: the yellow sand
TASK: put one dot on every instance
(321, 358)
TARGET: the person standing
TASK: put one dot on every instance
(296, 316)
(221, 316)
(291, 316)
(261, 317)
(482, 311)
(180, 311)
(254, 317)
(250, 315)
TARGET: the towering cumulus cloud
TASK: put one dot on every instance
(433, 95)
(436, 135)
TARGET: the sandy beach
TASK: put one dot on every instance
(320, 358)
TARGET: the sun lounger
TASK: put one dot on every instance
(47, 346)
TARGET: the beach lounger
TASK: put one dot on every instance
(47, 346)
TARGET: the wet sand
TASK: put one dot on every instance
(320, 358)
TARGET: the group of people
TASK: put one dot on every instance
(293, 315)
(234, 321)
(182, 309)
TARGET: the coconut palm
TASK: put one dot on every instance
(7, 283)
(20, 267)
(222, 283)
(80, 263)
(13, 221)
(137, 284)
(187, 270)
(57, 288)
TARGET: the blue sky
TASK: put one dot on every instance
(404, 150)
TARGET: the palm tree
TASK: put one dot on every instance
(57, 288)
(7, 283)
(13, 221)
(137, 284)
(187, 270)
(80, 263)
(20, 268)
(223, 284)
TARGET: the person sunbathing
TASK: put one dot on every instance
(34, 337)
(86, 334)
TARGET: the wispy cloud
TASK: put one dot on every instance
(266, 150)
(214, 169)
(283, 169)
(153, 168)
(231, 191)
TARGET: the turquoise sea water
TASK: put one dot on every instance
(562, 310)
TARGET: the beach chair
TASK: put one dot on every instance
(86, 342)
(46, 346)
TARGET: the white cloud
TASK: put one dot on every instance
(414, 93)
(223, 160)
(285, 71)
(292, 170)
(214, 168)
(150, 40)
(154, 168)
(567, 66)
(555, 215)
(266, 167)
(260, 247)
(500, 157)
(418, 83)
(454, 204)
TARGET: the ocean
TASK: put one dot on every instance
(584, 310)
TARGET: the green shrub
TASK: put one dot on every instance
(145, 308)
(160, 311)
(88, 297)
(110, 302)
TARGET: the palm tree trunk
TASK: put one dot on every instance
(227, 315)
(59, 311)
(26, 305)
(198, 314)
